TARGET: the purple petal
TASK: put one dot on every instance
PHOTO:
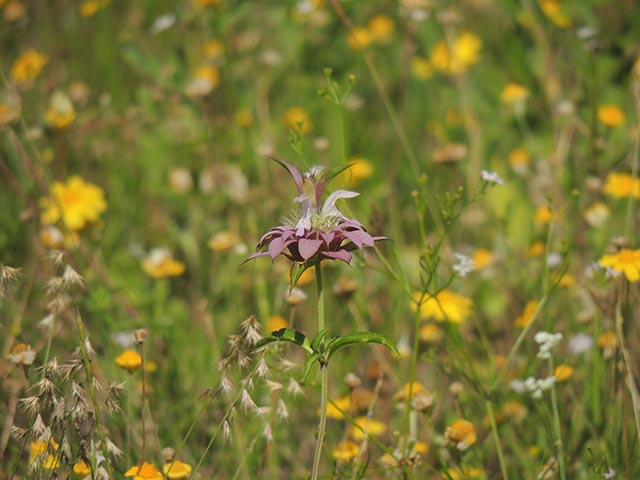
(341, 255)
(308, 247)
(359, 237)
(328, 237)
(277, 245)
(256, 255)
(295, 173)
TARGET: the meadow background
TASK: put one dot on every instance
(495, 145)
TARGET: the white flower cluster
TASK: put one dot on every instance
(535, 386)
(547, 342)
(465, 264)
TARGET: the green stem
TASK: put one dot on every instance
(324, 380)
(496, 439)
(556, 426)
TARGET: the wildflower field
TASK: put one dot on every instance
(319, 239)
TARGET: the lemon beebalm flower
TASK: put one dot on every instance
(345, 451)
(160, 264)
(81, 203)
(621, 185)
(461, 433)
(297, 119)
(146, 471)
(445, 306)
(611, 115)
(177, 470)
(60, 113)
(129, 360)
(626, 261)
(28, 66)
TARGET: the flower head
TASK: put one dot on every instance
(177, 470)
(22, 354)
(146, 471)
(320, 231)
(611, 115)
(461, 433)
(626, 261)
(76, 202)
(160, 264)
(129, 360)
(445, 306)
(28, 66)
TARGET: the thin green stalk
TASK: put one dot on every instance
(496, 439)
(556, 426)
(412, 375)
(324, 380)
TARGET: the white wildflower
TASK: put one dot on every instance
(491, 177)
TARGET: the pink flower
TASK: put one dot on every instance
(321, 231)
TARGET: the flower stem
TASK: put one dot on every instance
(556, 425)
(324, 380)
(496, 439)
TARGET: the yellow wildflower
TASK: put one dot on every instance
(482, 258)
(461, 433)
(223, 241)
(41, 451)
(445, 306)
(89, 8)
(359, 38)
(146, 471)
(626, 261)
(28, 66)
(345, 451)
(464, 473)
(81, 203)
(205, 79)
(519, 161)
(621, 185)
(129, 360)
(360, 169)
(297, 119)
(608, 340)
(370, 425)
(244, 118)
(514, 93)
(611, 115)
(22, 354)
(597, 214)
(431, 333)
(514, 410)
(457, 58)
(553, 11)
(14, 11)
(81, 468)
(566, 280)
(276, 322)
(160, 264)
(542, 215)
(381, 29)
(177, 470)
(343, 403)
(535, 249)
(421, 68)
(524, 319)
(563, 373)
(402, 394)
(60, 113)
(212, 50)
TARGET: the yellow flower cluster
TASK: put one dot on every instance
(458, 56)
(445, 306)
(28, 66)
(621, 185)
(380, 29)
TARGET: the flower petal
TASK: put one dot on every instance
(293, 171)
(359, 238)
(341, 255)
(308, 247)
(329, 207)
(277, 245)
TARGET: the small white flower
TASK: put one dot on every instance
(554, 259)
(580, 343)
(162, 23)
(611, 473)
(465, 264)
(491, 177)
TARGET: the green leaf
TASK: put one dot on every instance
(360, 337)
(287, 335)
(333, 173)
(317, 340)
(311, 361)
(296, 271)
